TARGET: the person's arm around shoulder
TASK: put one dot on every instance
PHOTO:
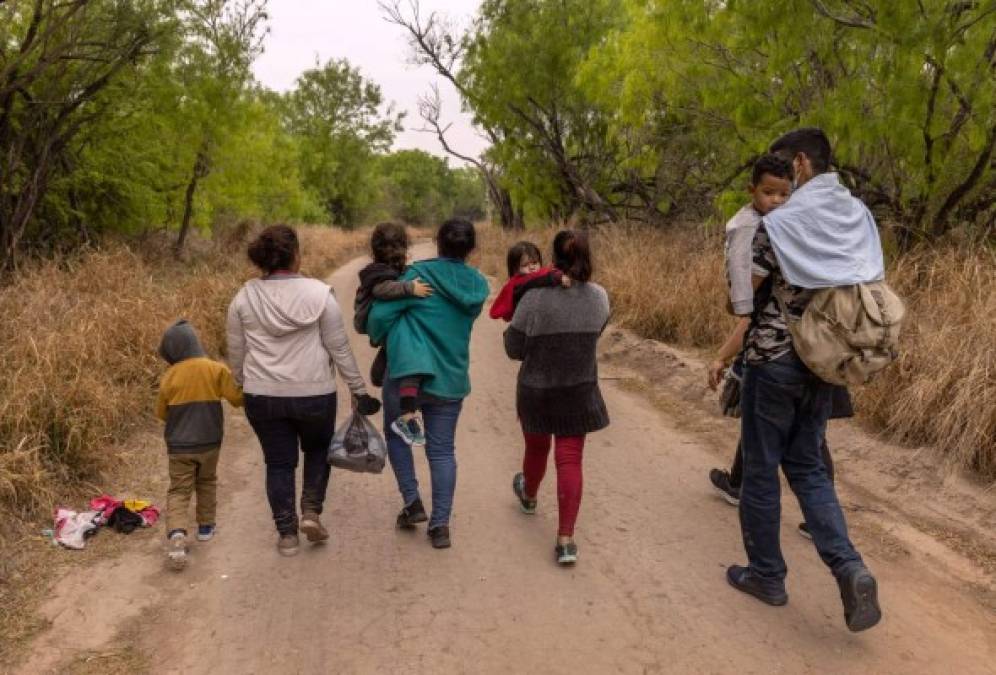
(336, 343)
(396, 290)
(235, 338)
(517, 333)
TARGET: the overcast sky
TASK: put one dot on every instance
(302, 30)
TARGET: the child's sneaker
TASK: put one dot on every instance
(205, 532)
(176, 550)
(409, 428)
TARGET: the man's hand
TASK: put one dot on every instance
(421, 289)
(716, 370)
(565, 281)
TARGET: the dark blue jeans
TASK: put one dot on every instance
(785, 411)
(440, 434)
(283, 424)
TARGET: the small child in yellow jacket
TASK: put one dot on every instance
(189, 402)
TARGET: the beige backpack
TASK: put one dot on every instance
(849, 333)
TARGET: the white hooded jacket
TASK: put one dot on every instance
(284, 335)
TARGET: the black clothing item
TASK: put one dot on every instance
(367, 405)
(283, 424)
(378, 369)
(125, 520)
(370, 276)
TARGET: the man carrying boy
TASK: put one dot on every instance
(822, 237)
(190, 403)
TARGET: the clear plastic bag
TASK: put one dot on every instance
(358, 446)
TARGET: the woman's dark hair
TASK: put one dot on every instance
(519, 251)
(572, 255)
(274, 249)
(389, 245)
(456, 238)
(771, 165)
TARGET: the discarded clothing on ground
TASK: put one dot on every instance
(125, 516)
(72, 528)
(124, 520)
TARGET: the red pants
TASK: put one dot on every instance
(567, 455)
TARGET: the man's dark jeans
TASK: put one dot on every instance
(785, 410)
(282, 424)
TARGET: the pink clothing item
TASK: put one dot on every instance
(106, 504)
(150, 516)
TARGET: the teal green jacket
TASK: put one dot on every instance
(430, 337)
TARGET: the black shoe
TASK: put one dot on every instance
(742, 580)
(411, 515)
(859, 593)
(440, 536)
(567, 554)
(526, 505)
(804, 531)
(721, 481)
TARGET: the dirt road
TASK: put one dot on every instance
(648, 594)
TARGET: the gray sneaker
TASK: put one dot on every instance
(526, 505)
(176, 550)
(288, 544)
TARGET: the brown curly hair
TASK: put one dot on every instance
(389, 245)
(274, 249)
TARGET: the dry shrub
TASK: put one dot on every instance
(80, 354)
(665, 284)
(669, 285)
(943, 390)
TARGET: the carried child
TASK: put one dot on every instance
(379, 280)
(525, 272)
(189, 402)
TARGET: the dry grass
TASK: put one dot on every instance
(670, 286)
(81, 368)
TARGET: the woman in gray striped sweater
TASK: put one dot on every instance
(554, 333)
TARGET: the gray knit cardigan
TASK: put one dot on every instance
(554, 333)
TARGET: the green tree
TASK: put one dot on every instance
(520, 68)
(336, 115)
(56, 58)
(906, 90)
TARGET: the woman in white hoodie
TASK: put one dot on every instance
(285, 332)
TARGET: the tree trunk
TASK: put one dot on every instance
(199, 172)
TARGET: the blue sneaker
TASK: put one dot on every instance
(410, 430)
(205, 532)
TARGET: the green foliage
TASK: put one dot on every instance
(421, 189)
(335, 113)
(652, 109)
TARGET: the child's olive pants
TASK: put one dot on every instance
(189, 473)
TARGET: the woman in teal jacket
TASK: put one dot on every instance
(430, 338)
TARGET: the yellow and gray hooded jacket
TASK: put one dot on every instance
(191, 391)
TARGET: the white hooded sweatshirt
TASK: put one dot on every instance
(284, 334)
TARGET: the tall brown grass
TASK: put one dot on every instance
(669, 285)
(80, 357)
